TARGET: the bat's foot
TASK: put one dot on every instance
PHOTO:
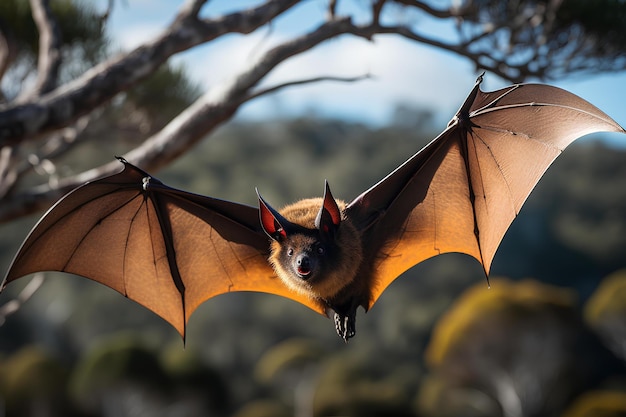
(345, 324)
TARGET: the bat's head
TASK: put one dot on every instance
(314, 250)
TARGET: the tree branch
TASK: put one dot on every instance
(498, 67)
(377, 8)
(8, 52)
(273, 89)
(49, 59)
(209, 111)
(191, 8)
(14, 305)
(215, 106)
(8, 175)
(221, 103)
(56, 145)
(64, 105)
(438, 13)
(203, 116)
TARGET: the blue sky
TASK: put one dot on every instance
(403, 71)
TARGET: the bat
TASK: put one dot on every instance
(171, 250)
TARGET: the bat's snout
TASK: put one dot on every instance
(303, 266)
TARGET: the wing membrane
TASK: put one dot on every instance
(462, 191)
(166, 249)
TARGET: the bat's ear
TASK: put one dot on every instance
(329, 216)
(272, 222)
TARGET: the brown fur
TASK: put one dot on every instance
(348, 241)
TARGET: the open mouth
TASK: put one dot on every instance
(303, 272)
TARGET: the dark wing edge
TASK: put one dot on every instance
(461, 192)
(166, 249)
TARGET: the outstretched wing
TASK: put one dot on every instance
(166, 249)
(462, 191)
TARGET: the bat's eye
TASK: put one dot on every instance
(290, 252)
(320, 250)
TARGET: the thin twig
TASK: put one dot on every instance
(12, 306)
(438, 13)
(190, 8)
(377, 9)
(8, 175)
(272, 89)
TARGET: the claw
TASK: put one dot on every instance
(345, 325)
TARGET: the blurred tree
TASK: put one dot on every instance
(110, 377)
(32, 384)
(592, 215)
(292, 365)
(476, 304)
(438, 398)
(76, 35)
(291, 355)
(199, 388)
(122, 374)
(521, 345)
(263, 408)
(61, 92)
(527, 37)
(410, 117)
(598, 404)
(606, 312)
(572, 231)
(360, 386)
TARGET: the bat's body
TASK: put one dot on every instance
(170, 250)
(317, 251)
(316, 262)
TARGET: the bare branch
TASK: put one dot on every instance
(497, 67)
(8, 175)
(438, 13)
(273, 89)
(11, 307)
(377, 8)
(49, 59)
(64, 105)
(209, 111)
(191, 8)
(332, 9)
(60, 107)
(56, 145)
(220, 104)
